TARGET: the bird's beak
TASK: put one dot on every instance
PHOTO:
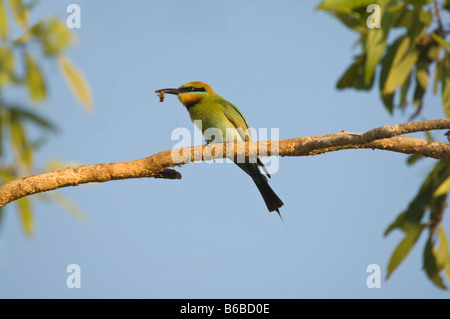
(169, 91)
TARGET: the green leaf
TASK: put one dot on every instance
(376, 42)
(349, 78)
(7, 174)
(64, 202)
(447, 4)
(433, 53)
(6, 66)
(354, 76)
(426, 17)
(400, 222)
(343, 5)
(403, 248)
(58, 37)
(386, 63)
(443, 189)
(76, 81)
(404, 59)
(22, 150)
(442, 253)
(352, 20)
(20, 13)
(22, 114)
(388, 101)
(432, 269)
(405, 18)
(428, 135)
(419, 92)
(26, 215)
(4, 27)
(412, 159)
(411, 218)
(440, 41)
(35, 80)
(404, 91)
(53, 34)
(422, 76)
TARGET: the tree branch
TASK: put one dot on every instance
(157, 166)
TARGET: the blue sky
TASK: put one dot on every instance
(209, 234)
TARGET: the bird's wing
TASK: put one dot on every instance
(236, 118)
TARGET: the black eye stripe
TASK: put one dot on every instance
(193, 89)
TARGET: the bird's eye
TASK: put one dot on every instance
(191, 89)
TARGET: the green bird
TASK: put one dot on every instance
(204, 105)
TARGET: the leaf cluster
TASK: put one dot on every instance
(407, 51)
(425, 212)
(22, 128)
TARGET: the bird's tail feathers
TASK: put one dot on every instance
(273, 202)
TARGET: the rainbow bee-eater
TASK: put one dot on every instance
(212, 111)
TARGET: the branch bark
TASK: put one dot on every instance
(157, 166)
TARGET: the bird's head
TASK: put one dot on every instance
(190, 93)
